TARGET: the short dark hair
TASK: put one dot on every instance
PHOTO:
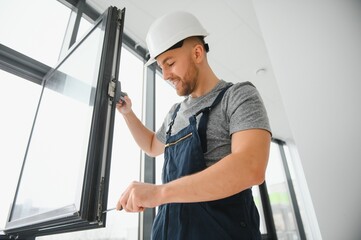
(205, 45)
(180, 44)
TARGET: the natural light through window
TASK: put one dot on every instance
(15, 130)
(35, 28)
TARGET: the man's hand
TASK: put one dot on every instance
(124, 107)
(139, 196)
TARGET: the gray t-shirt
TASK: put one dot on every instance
(241, 108)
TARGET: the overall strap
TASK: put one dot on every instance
(202, 127)
(170, 125)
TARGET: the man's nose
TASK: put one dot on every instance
(166, 74)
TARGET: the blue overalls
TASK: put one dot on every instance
(234, 217)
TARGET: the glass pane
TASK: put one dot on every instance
(282, 209)
(125, 166)
(35, 28)
(15, 125)
(258, 202)
(84, 27)
(126, 154)
(300, 199)
(55, 161)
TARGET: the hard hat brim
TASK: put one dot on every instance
(149, 62)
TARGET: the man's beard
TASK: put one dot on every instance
(189, 82)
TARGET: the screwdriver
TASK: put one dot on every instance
(111, 209)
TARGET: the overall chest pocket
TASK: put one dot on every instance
(183, 156)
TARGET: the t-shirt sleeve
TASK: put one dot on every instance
(245, 108)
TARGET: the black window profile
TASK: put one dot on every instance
(71, 136)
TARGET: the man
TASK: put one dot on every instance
(215, 143)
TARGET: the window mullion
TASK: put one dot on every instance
(21, 65)
(292, 192)
(267, 211)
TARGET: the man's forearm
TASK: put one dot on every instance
(224, 179)
(240, 170)
(142, 135)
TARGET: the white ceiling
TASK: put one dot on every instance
(237, 49)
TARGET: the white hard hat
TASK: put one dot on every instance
(169, 29)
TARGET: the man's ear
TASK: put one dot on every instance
(198, 53)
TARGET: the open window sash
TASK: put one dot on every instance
(63, 185)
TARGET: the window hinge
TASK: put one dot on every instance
(111, 89)
(100, 200)
(115, 92)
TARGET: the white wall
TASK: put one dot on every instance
(315, 50)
